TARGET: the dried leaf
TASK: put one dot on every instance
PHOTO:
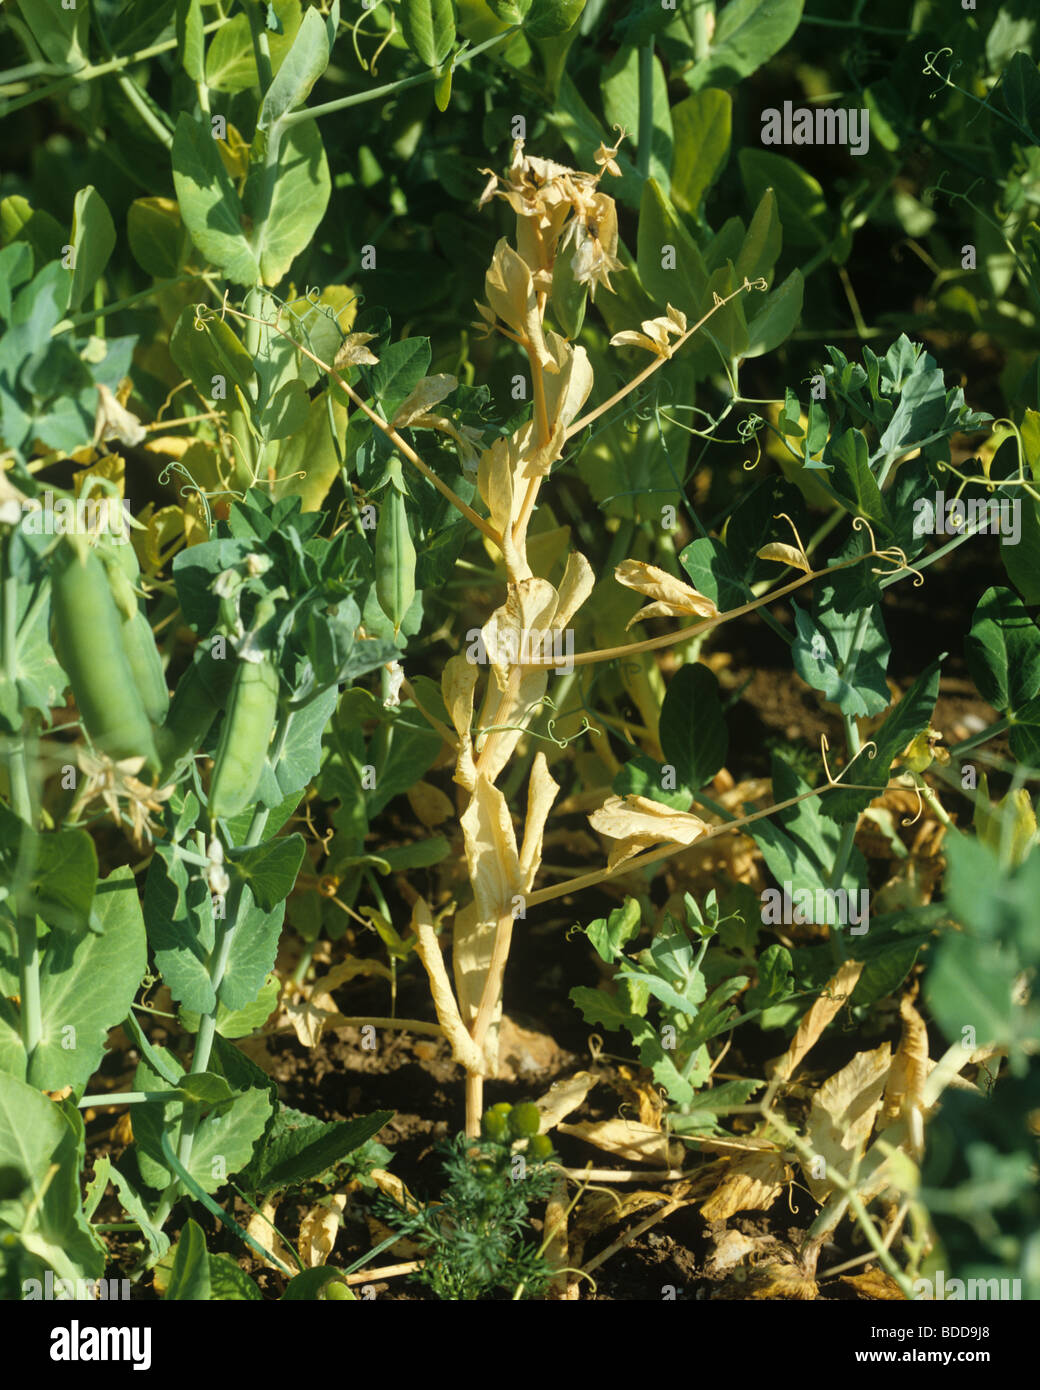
(541, 793)
(638, 823)
(832, 1000)
(320, 1228)
(430, 391)
(260, 1228)
(910, 1065)
(564, 1097)
(751, 1183)
(875, 1283)
(673, 598)
(842, 1117)
(463, 1048)
(430, 804)
(353, 353)
(626, 1139)
(785, 555)
(457, 684)
(656, 335)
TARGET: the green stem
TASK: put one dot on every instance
(78, 320)
(703, 13)
(225, 931)
(261, 46)
(91, 71)
(646, 109)
(990, 731)
(329, 108)
(29, 986)
(30, 1013)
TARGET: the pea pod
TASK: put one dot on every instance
(122, 571)
(395, 559)
(200, 696)
(248, 725)
(88, 638)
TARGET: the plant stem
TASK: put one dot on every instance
(90, 71)
(329, 108)
(646, 109)
(225, 930)
(30, 1014)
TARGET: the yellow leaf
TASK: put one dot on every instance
(638, 823)
(751, 1183)
(835, 995)
(674, 599)
(785, 555)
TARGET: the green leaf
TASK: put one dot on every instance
(1003, 650)
(619, 88)
(205, 1088)
(851, 480)
(252, 955)
(662, 240)
(401, 367)
(775, 320)
(228, 1281)
(270, 868)
(77, 1015)
(713, 574)
(209, 203)
(51, 875)
(568, 297)
(701, 125)
(131, 1202)
(189, 1278)
(305, 62)
(429, 29)
(158, 239)
(61, 33)
(548, 18)
(288, 410)
(693, 733)
(800, 199)
(748, 34)
(1021, 90)
(286, 216)
(224, 1138)
(843, 650)
(191, 39)
(294, 1154)
(643, 776)
(606, 1010)
(211, 356)
(46, 1218)
(178, 912)
(301, 752)
(800, 844)
(240, 1023)
(1022, 559)
(609, 934)
(93, 241)
(760, 248)
(231, 62)
(908, 718)
(308, 1285)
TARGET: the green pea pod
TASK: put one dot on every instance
(88, 638)
(143, 658)
(123, 571)
(251, 716)
(395, 559)
(200, 696)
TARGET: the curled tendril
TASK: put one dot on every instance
(595, 1045)
(833, 781)
(912, 820)
(192, 489)
(930, 70)
(782, 516)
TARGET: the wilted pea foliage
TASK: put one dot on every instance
(472, 476)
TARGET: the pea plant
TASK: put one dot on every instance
(317, 596)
